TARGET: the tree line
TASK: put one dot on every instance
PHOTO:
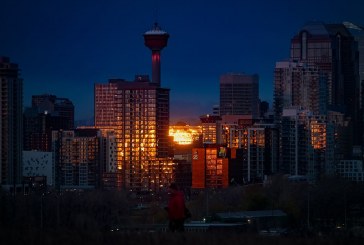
(327, 207)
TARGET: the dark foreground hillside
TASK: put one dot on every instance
(160, 238)
(332, 211)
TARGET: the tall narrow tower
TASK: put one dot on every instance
(156, 39)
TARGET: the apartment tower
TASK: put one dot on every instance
(11, 104)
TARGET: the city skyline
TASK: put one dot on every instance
(62, 44)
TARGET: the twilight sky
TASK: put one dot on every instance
(63, 47)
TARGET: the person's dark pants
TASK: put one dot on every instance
(176, 225)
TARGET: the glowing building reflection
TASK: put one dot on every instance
(185, 134)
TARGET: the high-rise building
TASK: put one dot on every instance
(254, 147)
(51, 104)
(307, 144)
(46, 114)
(138, 112)
(239, 94)
(11, 124)
(294, 142)
(111, 177)
(317, 99)
(358, 34)
(334, 51)
(76, 158)
(299, 84)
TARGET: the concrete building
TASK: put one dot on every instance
(39, 164)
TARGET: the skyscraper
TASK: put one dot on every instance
(358, 33)
(11, 123)
(299, 84)
(239, 94)
(46, 114)
(321, 81)
(138, 112)
(56, 106)
(334, 51)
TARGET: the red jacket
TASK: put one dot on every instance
(176, 206)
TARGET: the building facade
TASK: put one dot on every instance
(47, 113)
(299, 84)
(210, 167)
(334, 51)
(51, 104)
(111, 176)
(138, 112)
(239, 94)
(351, 170)
(254, 148)
(11, 124)
(308, 144)
(358, 33)
(76, 159)
(210, 129)
(39, 164)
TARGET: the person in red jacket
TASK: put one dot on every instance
(176, 209)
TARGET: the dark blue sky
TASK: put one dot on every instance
(63, 47)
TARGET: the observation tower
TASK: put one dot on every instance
(156, 39)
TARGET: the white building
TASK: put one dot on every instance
(38, 163)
